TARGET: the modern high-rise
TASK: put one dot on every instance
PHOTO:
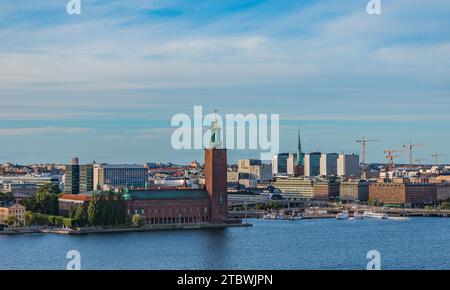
(348, 165)
(119, 176)
(292, 164)
(78, 178)
(328, 164)
(279, 164)
(312, 164)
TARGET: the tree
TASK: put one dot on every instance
(137, 220)
(11, 220)
(121, 211)
(80, 215)
(6, 197)
(110, 209)
(49, 188)
(101, 210)
(91, 212)
(71, 213)
(445, 205)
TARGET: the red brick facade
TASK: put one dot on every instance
(216, 183)
(403, 193)
(171, 211)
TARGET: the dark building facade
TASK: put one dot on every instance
(78, 178)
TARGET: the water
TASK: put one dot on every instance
(419, 243)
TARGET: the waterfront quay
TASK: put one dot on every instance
(125, 229)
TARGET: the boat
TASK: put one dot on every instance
(357, 216)
(399, 218)
(376, 215)
(342, 215)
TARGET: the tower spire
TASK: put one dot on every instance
(300, 155)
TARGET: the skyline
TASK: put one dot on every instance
(104, 85)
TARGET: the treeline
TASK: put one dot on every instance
(103, 210)
(48, 220)
(45, 201)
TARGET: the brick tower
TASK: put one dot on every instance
(216, 183)
(216, 175)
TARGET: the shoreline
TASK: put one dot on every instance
(147, 228)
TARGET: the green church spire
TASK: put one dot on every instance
(300, 155)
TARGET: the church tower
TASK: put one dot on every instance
(216, 175)
(300, 155)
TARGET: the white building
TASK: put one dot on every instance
(279, 164)
(348, 165)
(328, 164)
(292, 164)
(119, 176)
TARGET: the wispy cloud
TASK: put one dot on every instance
(40, 130)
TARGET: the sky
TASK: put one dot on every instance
(105, 84)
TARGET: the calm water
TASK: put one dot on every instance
(420, 243)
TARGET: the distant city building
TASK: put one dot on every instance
(279, 164)
(16, 210)
(251, 172)
(292, 164)
(326, 190)
(312, 164)
(20, 189)
(78, 178)
(295, 188)
(443, 191)
(348, 165)
(351, 191)
(119, 176)
(403, 193)
(328, 164)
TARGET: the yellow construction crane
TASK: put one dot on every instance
(410, 148)
(363, 142)
(391, 158)
(436, 157)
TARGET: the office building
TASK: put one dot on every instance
(108, 176)
(312, 164)
(348, 165)
(279, 164)
(78, 178)
(328, 164)
(351, 191)
(295, 188)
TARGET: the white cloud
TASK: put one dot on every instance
(40, 130)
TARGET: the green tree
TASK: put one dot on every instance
(80, 215)
(11, 220)
(445, 205)
(6, 197)
(137, 220)
(101, 210)
(121, 211)
(49, 188)
(111, 209)
(91, 211)
(72, 211)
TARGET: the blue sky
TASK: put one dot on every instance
(104, 85)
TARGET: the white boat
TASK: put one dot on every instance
(342, 215)
(375, 215)
(357, 216)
